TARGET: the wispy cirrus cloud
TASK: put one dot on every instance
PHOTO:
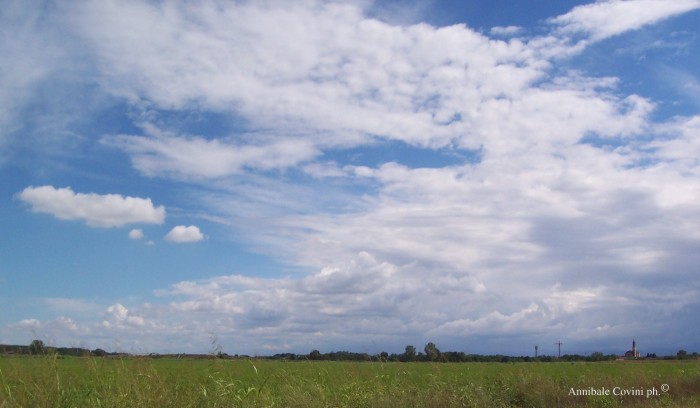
(32, 57)
(192, 157)
(607, 18)
(506, 31)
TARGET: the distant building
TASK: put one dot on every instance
(634, 353)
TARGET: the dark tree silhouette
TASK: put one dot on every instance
(410, 353)
(431, 352)
(36, 347)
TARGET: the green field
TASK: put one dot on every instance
(50, 381)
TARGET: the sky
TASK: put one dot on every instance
(264, 177)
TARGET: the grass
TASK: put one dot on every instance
(49, 381)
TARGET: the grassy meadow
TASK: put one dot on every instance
(51, 381)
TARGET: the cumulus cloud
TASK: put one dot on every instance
(109, 210)
(362, 294)
(136, 234)
(117, 314)
(183, 234)
(393, 304)
(29, 323)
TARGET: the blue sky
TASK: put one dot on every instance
(350, 175)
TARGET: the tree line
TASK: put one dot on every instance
(430, 353)
(37, 347)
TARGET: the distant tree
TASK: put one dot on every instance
(410, 353)
(315, 355)
(431, 352)
(384, 356)
(597, 356)
(454, 356)
(36, 347)
(682, 354)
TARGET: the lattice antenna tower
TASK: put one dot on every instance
(558, 344)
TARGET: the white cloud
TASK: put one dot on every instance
(506, 31)
(67, 323)
(607, 18)
(353, 80)
(195, 157)
(110, 210)
(29, 323)
(119, 315)
(182, 234)
(477, 247)
(527, 320)
(362, 295)
(579, 212)
(31, 53)
(686, 83)
(136, 234)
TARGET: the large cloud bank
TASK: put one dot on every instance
(573, 215)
